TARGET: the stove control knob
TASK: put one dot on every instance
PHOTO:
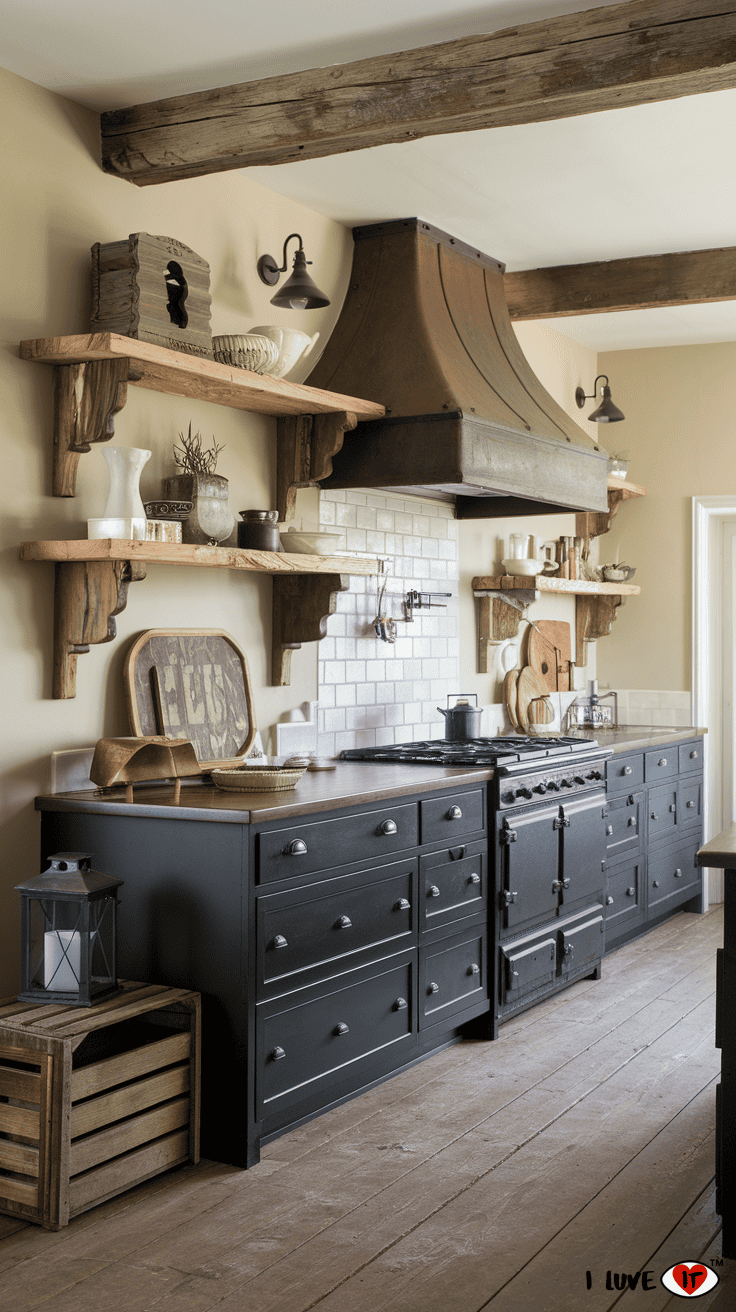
(579, 779)
(508, 798)
(540, 788)
(566, 783)
(524, 792)
(594, 774)
(553, 786)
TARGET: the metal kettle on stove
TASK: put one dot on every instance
(462, 721)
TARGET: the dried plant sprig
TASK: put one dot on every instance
(191, 458)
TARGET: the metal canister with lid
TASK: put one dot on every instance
(259, 529)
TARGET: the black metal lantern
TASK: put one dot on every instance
(68, 933)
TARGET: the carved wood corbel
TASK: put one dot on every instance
(302, 605)
(305, 446)
(594, 616)
(89, 593)
(87, 396)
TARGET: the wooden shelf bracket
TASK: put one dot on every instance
(594, 618)
(305, 446)
(301, 609)
(87, 396)
(89, 594)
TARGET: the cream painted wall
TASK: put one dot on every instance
(680, 435)
(56, 204)
(561, 365)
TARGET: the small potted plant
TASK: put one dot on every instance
(210, 520)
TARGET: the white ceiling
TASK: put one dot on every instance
(640, 181)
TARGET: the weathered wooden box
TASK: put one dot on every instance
(95, 1100)
(154, 289)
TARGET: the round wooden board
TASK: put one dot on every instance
(531, 685)
(509, 697)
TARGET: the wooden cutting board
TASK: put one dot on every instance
(531, 685)
(550, 652)
(509, 697)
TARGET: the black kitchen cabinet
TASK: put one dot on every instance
(653, 831)
(331, 950)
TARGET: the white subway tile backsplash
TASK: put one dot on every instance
(371, 692)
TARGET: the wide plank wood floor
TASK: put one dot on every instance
(492, 1176)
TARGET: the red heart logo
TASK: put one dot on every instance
(689, 1278)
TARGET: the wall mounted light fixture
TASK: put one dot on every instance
(607, 412)
(299, 292)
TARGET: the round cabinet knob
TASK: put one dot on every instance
(609, 901)
(387, 827)
(678, 874)
(400, 1004)
(693, 756)
(344, 923)
(402, 905)
(280, 942)
(276, 1054)
(341, 1028)
(662, 760)
(631, 892)
(297, 847)
(609, 830)
(433, 891)
(473, 969)
(473, 879)
(627, 769)
(655, 883)
(454, 813)
(433, 988)
(690, 805)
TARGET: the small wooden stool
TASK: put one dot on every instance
(94, 1100)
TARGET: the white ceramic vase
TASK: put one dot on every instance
(124, 515)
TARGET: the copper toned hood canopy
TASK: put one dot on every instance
(425, 331)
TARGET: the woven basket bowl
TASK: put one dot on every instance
(247, 351)
(258, 779)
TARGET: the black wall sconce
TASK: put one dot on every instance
(607, 412)
(299, 292)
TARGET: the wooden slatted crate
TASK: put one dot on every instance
(95, 1100)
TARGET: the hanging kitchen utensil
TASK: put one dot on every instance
(462, 721)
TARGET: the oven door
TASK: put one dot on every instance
(583, 849)
(527, 848)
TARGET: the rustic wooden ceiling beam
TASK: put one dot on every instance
(581, 63)
(645, 282)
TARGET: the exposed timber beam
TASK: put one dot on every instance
(646, 282)
(608, 58)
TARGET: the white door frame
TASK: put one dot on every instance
(709, 515)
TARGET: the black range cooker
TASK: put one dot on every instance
(547, 840)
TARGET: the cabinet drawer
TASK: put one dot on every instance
(581, 945)
(304, 1045)
(445, 819)
(624, 899)
(302, 849)
(690, 756)
(673, 876)
(662, 809)
(624, 773)
(316, 924)
(452, 976)
(691, 802)
(452, 885)
(624, 827)
(663, 763)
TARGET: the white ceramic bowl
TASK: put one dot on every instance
(529, 566)
(311, 544)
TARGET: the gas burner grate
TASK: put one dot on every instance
(479, 751)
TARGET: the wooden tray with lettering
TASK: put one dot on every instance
(192, 684)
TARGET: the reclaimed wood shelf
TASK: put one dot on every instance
(92, 374)
(92, 578)
(501, 599)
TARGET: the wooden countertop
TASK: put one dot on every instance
(351, 783)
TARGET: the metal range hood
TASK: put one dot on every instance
(425, 331)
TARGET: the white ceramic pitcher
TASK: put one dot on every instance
(292, 345)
